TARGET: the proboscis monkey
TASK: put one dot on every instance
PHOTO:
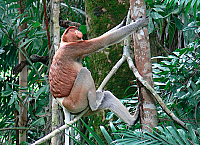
(72, 84)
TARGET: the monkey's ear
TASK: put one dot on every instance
(64, 38)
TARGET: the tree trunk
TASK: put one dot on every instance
(148, 113)
(22, 83)
(102, 16)
(56, 41)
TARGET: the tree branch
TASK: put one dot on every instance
(33, 58)
(67, 23)
(152, 91)
(60, 129)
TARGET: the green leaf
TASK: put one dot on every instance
(106, 135)
(183, 135)
(8, 91)
(186, 2)
(40, 121)
(98, 139)
(117, 136)
(4, 41)
(187, 7)
(90, 142)
(37, 24)
(158, 9)
(13, 98)
(197, 93)
(40, 33)
(14, 6)
(27, 41)
(158, 57)
(198, 129)
(174, 134)
(2, 26)
(189, 83)
(45, 88)
(176, 11)
(2, 51)
(160, 6)
(155, 15)
(83, 29)
(29, 2)
(193, 3)
(192, 133)
(26, 19)
(150, 25)
(178, 23)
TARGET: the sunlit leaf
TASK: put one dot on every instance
(106, 135)
(13, 6)
(13, 98)
(37, 24)
(45, 88)
(155, 15)
(8, 91)
(26, 19)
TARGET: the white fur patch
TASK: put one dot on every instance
(60, 100)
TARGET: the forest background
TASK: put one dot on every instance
(26, 112)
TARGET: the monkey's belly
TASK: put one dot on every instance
(61, 80)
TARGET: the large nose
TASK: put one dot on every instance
(78, 34)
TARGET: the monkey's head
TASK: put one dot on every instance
(71, 34)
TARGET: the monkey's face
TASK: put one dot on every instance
(72, 34)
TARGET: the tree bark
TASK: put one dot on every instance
(56, 41)
(148, 113)
(102, 16)
(22, 83)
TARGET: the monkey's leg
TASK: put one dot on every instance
(94, 97)
(83, 93)
(112, 103)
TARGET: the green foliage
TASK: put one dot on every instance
(73, 10)
(177, 78)
(161, 135)
(34, 41)
(170, 16)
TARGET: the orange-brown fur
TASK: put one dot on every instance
(62, 73)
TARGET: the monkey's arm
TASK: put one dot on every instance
(118, 34)
(86, 47)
